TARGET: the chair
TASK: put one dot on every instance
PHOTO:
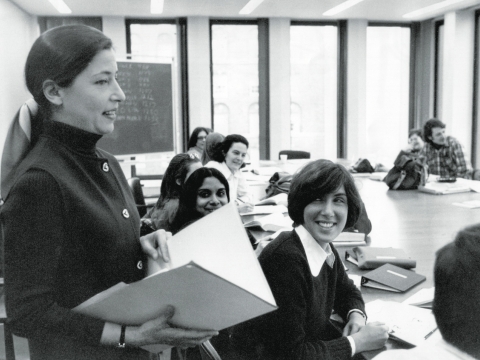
(9, 347)
(294, 154)
(137, 192)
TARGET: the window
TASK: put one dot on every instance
(438, 69)
(313, 89)
(235, 81)
(387, 92)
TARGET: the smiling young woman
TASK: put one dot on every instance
(308, 279)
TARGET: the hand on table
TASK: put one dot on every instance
(370, 337)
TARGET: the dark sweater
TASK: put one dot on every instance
(71, 230)
(301, 327)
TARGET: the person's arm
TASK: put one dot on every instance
(285, 329)
(33, 224)
(461, 162)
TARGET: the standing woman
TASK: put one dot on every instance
(71, 228)
(228, 157)
(196, 143)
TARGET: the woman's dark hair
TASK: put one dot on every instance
(429, 125)
(211, 141)
(317, 179)
(192, 142)
(221, 149)
(187, 212)
(176, 170)
(417, 132)
(60, 54)
(457, 294)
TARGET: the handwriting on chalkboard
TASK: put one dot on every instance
(145, 119)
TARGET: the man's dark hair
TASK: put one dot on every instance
(457, 294)
(429, 125)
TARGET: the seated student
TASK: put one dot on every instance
(444, 155)
(210, 142)
(456, 303)
(205, 191)
(196, 143)
(179, 169)
(228, 157)
(415, 143)
(307, 277)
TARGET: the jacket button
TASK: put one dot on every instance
(140, 265)
(105, 167)
(125, 213)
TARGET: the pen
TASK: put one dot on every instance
(430, 333)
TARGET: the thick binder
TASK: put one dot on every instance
(367, 258)
(213, 280)
(391, 278)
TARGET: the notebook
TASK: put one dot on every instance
(443, 188)
(373, 257)
(391, 278)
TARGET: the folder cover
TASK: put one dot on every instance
(391, 278)
(213, 280)
(373, 257)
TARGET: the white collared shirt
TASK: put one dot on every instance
(316, 257)
(236, 181)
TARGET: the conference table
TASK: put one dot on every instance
(417, 222)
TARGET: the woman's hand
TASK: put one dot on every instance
(159, 331)
(372, 336)
(245, 207)
(355, 323)
(155, 244)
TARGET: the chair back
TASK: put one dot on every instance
(294, 154)
(137, 192)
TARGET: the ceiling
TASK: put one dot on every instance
(376, 10)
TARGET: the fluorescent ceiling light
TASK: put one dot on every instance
(156, 6)
(341, 7)
(251, 5)
(431, 8)
(60, 6)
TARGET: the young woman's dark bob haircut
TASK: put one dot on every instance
(221, 149)
(187, 212)
(317, 179)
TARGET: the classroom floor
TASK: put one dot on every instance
(21, 347)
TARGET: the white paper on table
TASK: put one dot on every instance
(266, 209)
(421, 297)
(408, 323)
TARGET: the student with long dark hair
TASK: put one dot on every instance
(179, 169)
(196, 143)
(70, 224)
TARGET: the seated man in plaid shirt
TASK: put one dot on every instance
(443, 154)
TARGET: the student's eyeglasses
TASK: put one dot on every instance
(201, 137)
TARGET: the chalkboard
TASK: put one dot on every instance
(145, 119)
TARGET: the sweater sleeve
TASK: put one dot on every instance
(284, 331)
(33, 223)
(347, 296)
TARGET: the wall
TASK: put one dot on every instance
(18, 32)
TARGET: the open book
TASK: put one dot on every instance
(272, 222)
(266, 209)
(213, 280)
(279, 199)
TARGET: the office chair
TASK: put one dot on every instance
(294, 154)
(137, 193)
